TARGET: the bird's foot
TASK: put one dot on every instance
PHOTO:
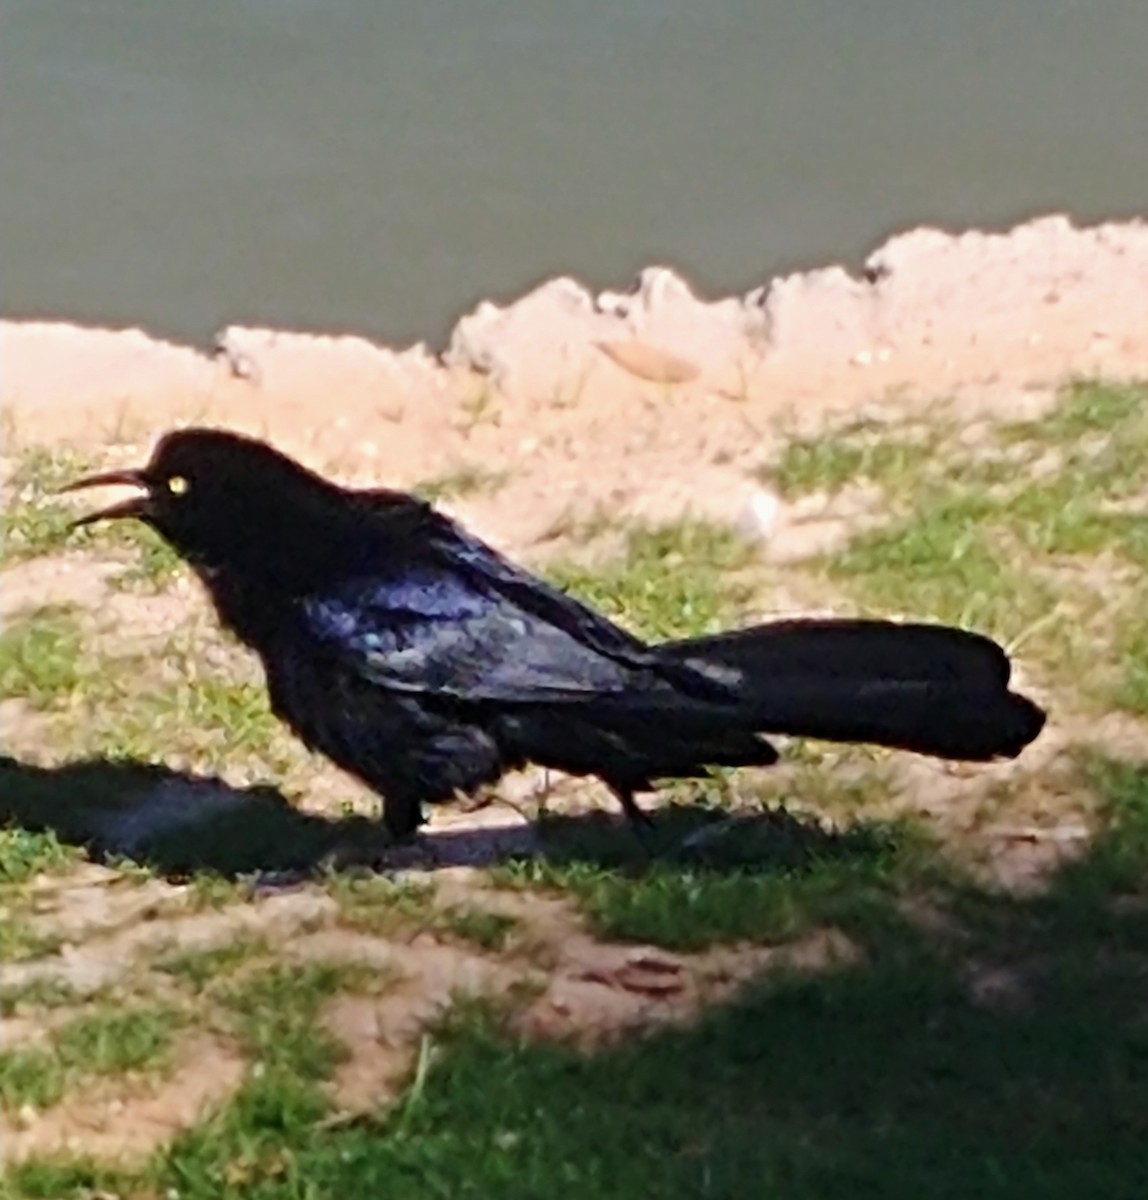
(264, 883)
(373, 851)
(640, 822)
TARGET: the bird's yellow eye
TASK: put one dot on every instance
(178, 485)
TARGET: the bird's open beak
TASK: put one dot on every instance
(136, 506)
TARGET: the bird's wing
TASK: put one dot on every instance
(415, 532)
(434, 630)
(434, 608)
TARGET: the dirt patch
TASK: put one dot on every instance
(599, 992)
(683, 404)
(127, 1118)
(569, 985)
(89, 966)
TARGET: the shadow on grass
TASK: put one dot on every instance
(977, 1044)
(178, 824)
(998, 1049)
(173, 822)
(1008, 1061)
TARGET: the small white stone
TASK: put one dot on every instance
(758, 519)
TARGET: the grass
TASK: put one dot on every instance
(1118, 863)
(126, 706)
(20, 940)
(469, 480)
(37, 523)
(199, 968)
(101, 1043)
(43, 993)
(401, 909)
(860, 452)
(766, 877)
(477, 925)
(275, 1016)
(1132, 692)
(230, 719)
(153, 563)
(670, 581)
(210, 891)
(1033, 534)
(42, 657)
(24, 854)
(380, 905)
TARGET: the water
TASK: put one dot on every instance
(379, 165)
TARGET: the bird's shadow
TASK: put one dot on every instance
(181, 824)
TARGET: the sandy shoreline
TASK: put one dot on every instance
(653, 387)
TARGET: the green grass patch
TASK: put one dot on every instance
(185, 709)
(154, 564)
(24, 854)
(479, 926)
(880, 1077)
(35, 521)
(1003, 536)
(378, 905)
(43, 993)
(943, 564)
(670, 581)
(209, 891)
(402, 908)
(168, 706)
(201, 968)
(275, 1014)
(42, 657)
(100, 1043)
(21, 941)
(1132, 691)
(1117, 865)
(861, 452)
(469, 480)
(700, 878)
(1087, 406)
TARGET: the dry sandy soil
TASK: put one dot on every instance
(651, 401)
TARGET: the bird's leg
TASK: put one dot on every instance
(542, 794)
(640, 822)
(635, 815)
(265, 883)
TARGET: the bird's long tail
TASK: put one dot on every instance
(930, 689)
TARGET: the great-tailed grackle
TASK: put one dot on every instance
(420, 660)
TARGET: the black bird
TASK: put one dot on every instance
(423, 662)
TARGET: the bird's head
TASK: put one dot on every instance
(218, 497)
